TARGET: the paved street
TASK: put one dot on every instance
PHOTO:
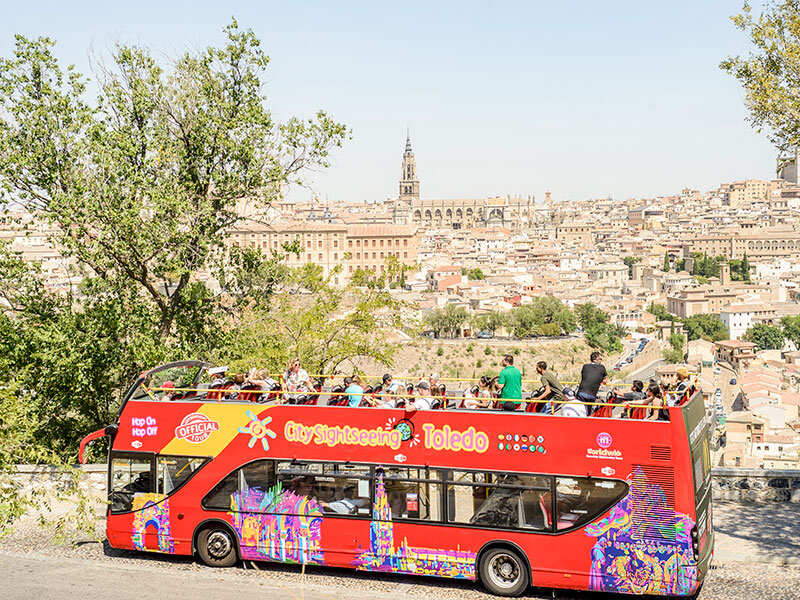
(757, 554)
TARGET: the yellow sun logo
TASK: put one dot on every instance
(258, 430)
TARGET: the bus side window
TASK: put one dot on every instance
(173, 471)
(259, 474)
(131, 474)
(413, 493)
(579, 500)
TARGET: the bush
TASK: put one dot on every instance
(487, 351)
(470, 347)
(440, 351)
(479, 364)
(516, 351)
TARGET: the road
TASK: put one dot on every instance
(756, 558)
(55, 578)
(646, 373)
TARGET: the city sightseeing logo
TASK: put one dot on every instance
(604, 440)
(195, 428)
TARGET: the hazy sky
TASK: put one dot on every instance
(586, 99)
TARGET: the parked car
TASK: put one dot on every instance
(718, 393)
(484, 335)
(717, 370)
(733, 381)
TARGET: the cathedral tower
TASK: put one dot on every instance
(409, 184)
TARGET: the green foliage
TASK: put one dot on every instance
(479, 363)
(766, 337)
(791, 329)
(706, 326)
(487, 351)
(667, 264)
(740, 269)
(768, 74)
(516, 351)
(470, 348)
(447, 321)
(660, 312)
(142, 186)
(527, 320)
(549, 329)
(674, 354)
(440, 351)
(706, 267)
(599, 333)
(475, 274)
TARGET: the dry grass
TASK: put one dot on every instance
(468, 359)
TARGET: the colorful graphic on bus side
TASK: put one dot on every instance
(292, 533)
(643, 546)
(383, 556)
(152, 510)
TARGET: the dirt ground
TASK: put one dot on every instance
(469, 359)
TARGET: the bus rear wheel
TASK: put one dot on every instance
(216, 547)
(503, 572)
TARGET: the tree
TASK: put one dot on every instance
(766, 337)
(706, 326)
(745, 271)
(599, 333)
(768, 74)
(666, 262)
(791, 329)
(660, 312)
(475, 274)
(526, 320)
(630, 261)
(142, 187)
(548, 329)
(674, 354)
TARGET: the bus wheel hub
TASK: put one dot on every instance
(219, 544)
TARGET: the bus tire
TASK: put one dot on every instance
(503, 572)
(216, 546)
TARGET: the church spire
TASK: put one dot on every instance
(408, 140)
(409, 184)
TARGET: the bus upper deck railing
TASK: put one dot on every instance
(274, 395)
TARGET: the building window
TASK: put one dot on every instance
(381, 254)
(319, 244)
(358, 242)
(308, 257)
(358, 255)
(308, 244)
(335, 243)
(373, 243)
(381, 243)
(373, 255)
(405, 254)
(405, 242)
(389, 243)
(335, 256)
(320, 257)
(351, 268)
(349, 243)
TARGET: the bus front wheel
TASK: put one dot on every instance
(503, 572)
(216, 547)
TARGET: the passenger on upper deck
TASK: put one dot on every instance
(296, 379)
(553, 390)
(484, 397)
(354, 389)
(654, 398)
(510, 384)
(423, 400)
(168, 394)
(218, 375)
(593, 375)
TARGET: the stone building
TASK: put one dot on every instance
(353, 247)
(455, 213)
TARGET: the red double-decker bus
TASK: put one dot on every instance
(509, 499)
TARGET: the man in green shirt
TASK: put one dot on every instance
(553, 390)
(510, 384)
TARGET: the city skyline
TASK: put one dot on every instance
(586, 101)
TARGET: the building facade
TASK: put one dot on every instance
(350, 247)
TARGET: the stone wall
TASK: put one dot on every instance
(755, 485)
(92, 478)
